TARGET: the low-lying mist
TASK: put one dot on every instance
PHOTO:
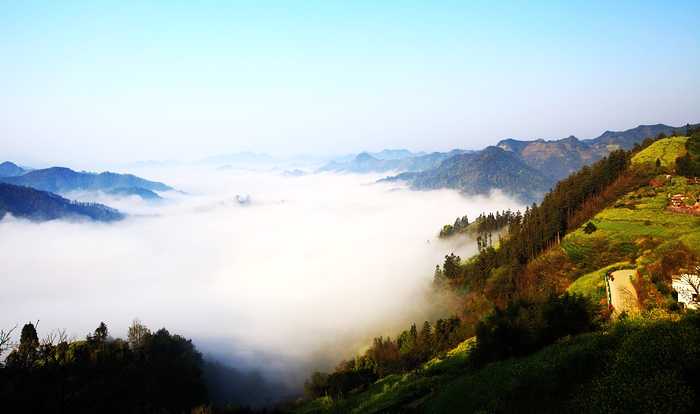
(303, 275)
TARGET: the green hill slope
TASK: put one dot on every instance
(665, 150)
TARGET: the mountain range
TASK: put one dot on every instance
(62, 180)
(34, 194)
(479, 173)
(526, 169)
(367, 163)
(38, 205)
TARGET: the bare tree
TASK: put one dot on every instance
(691, 277)
(6, 340)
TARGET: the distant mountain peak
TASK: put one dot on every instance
(364, 157)
(9, 169)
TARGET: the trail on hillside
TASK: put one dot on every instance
(622, 292)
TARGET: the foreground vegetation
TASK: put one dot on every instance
(643, 363)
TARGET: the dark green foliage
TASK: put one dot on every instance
(101, 375)
(317, 385)
(688, 164)
(653, 370)
(60, 180)
(40, 205)
(589, 228)
(693, 144)
(451, 269)
(526, 326)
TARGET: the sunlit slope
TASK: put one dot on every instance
(580, 374)
(637, 231)
(665, 150)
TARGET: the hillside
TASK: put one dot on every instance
(37, 205)
(63, 180)
(558, 159)
(578, 375)
(481, 172)
(665, 150)
(533, 349)
(8, 169)
(626, 139)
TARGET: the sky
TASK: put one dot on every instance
(92, 81)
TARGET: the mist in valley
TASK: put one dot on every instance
(305, 273)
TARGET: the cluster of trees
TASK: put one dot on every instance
(409, 351)
(150, 372)
(483, 227)
(688, 164)
(452, 229)
(525, 326)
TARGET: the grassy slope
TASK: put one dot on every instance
(639, 221)
(666, 150)
(637, 226)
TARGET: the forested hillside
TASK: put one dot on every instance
(37, 205)
(557, 159)
(513, 303)
(62, 180)
(479, 173)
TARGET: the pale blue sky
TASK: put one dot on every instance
(125, 81)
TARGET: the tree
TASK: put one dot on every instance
(317, 385)
(658, 163)
(438, 279)
(6, 340)
(136, 333)
(451, 269)
(100, 335)
(589, 228)
(29, 336)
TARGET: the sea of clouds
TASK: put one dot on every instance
(303, 275)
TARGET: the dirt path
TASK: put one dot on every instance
(622, 292)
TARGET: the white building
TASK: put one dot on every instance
(687, 287)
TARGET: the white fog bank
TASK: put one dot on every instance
(310, 261)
